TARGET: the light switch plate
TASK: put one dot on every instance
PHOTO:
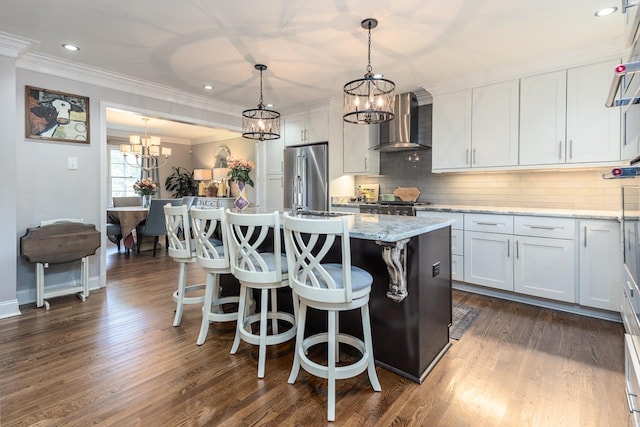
(72, 163)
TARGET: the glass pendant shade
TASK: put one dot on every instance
(371, 99)
(260, 123)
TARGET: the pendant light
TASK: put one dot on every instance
(260, 123)
(369, 100)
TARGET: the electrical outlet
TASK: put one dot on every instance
(435, 269)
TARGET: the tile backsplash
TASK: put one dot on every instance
(562, 189)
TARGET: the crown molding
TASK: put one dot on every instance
(83, 73)
(15, 47)
(558, 61)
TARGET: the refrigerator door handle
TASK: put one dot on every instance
(302, 173)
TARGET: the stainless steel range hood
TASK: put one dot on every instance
(401, 133)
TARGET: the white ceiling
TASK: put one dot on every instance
(312, 48)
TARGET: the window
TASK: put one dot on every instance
(121, 174)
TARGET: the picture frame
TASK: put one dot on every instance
(56, 116)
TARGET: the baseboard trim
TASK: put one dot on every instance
(28, 296)
(9, 308)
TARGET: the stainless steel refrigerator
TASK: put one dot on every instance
(306, 173)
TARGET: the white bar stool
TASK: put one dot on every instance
(264, 270)
(331, 288)
(213, 257)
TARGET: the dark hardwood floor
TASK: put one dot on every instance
(116, 360)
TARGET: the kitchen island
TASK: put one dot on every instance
(410, 301)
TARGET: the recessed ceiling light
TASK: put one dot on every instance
(207, 87)
(71, 47)
(606, 11)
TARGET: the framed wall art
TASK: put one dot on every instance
(56, 116)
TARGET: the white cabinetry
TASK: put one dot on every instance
(275, 192)
(274, 156)
(543, 110)
(494, 125)
(488, 250)
(593, 131)
(357, 158)
(545, 262)
(306, 128)
(452, 130)
(600, 260)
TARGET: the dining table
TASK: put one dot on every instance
(129, 217)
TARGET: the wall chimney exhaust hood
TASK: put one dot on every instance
(401, 133)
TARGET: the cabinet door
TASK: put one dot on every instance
(593, 130)
(545, 268)
(357, 158)
(600, 264)
(494, 125)
(274, 199)
(317, 126)
(457, 268)
(488, 259)
(452, 130)
(275, 156)
(543, 109)
(294, 129)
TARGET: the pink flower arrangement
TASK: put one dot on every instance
(239, 170)
(145, 187)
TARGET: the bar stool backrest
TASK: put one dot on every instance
(209, 253)
(181, 244)
(252, 258)
(307, 242)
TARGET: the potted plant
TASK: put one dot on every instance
(181, 182)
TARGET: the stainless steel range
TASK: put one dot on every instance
(391, 208)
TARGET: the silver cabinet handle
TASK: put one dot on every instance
(281, 165)
(301, 134)
(366, 166)
(571, 149)
(508, 248)
(466, 157)
(474, 156)
(630, 286)
(487, 223)
(282, 181)
(560, 150)
(517, 249)
(585, 236)
(542, 227)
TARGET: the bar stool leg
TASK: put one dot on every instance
(206, 306)
(182, 278)
(242, 314)
(262, 346)
(331, 367)
(300, 320)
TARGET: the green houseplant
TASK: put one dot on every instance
(181, 183)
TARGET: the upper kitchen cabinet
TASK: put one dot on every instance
(494, 125)
(357, 158)
(307, 128)
(543, 112)
(563, 119)
(593, 131)
(274, 156)
(452, 130)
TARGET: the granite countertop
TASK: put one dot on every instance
(502, 210)
(386, 228)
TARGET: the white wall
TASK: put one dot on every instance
(41, 187)
(8, 190)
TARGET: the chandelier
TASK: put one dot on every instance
(146, 151)
(368, 100)
(260, 123)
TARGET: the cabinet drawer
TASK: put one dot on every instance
(489, 223)
(632, 371)
(457, 268)
(458, 218)
(557, 228)
(457, 242)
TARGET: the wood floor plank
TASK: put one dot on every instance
(116, 359)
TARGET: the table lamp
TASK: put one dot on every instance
(202, 175)
(220, 177)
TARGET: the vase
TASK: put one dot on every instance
(146, 200)
(242, 201)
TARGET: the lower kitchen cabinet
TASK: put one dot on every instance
(600, 261)
(545, 268)
(488, 259)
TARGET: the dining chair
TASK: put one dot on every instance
(213, 256)
(155, 225)
(189, 201)
(115, 232)
(119, 202)
(330, 287)
(263, 267)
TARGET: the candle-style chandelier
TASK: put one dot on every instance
(146, 150)
(368, 100)
(260, 123)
